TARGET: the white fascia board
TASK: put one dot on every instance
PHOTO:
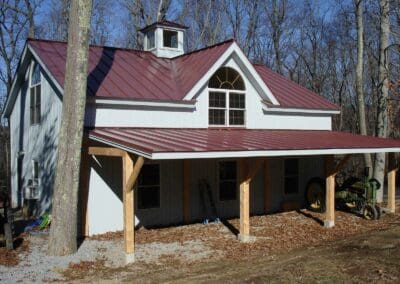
(255, 74)
(116, 102)
(267, 153)
(244, 154)
(46, 70)
(299, 110)
(234, 48)
(119, 146)
(11, 96)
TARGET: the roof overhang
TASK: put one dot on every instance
(167, 144)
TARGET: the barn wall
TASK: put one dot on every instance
(37, 142)
(105, 209)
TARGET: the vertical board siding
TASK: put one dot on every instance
(38, 142)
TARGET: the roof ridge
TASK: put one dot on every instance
(204, 48)
(91, 45)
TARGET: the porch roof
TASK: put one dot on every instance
(167, 143)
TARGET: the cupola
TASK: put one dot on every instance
(164, 39)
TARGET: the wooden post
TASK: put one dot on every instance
(266, 186)
(392, 183)
(330, 193)
(186, 191)
(244, 231)
(129, 213)
(84, 187)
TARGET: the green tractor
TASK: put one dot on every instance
(355, 195)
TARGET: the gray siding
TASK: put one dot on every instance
(38, 142)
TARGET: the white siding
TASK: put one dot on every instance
(38, 142)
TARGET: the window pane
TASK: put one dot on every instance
(227, 180)
(217, 100)
(227, 190)
(236, 100)
(226, 78)
(32, 105)
(35, 170)
(227, 170)
(149, 175)
(170, 39)
(216, 116)
(37, 104)
(291, 167)
(291, 185)
(236, 117)
(148, 197)
(35, 79)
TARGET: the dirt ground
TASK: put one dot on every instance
(286, 247)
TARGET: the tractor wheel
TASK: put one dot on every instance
(315, 195)
(370, 213)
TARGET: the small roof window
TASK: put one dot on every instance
(226, 78)
(170, 38)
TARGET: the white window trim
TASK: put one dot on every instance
(227, 92)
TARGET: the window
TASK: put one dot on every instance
(227, 104)
(291, 176)
(35, 172)
(35, 95)
(170, 38)
(227, 180)
(148, 190)
(150, 40)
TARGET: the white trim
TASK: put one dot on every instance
(299, 110)
(244, 154)
(116, 102)
(44, 67)
(233, 49)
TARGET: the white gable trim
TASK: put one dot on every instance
(233, 49)
(12, 95)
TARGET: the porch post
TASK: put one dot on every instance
(186, 190)
(392, 183)
(330, 193)
(244, 232)
(129, 213)
(266, 185)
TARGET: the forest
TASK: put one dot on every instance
(345, 50)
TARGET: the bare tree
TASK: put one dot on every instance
(383, 90)
(63, 232)
(360, 75)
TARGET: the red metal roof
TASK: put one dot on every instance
(132, 74)
(160, 140)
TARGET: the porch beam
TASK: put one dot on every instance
(129, 213)
(186, 191)
(244, 230)
(107, 151)
(266, 185)
(392, 183)
(330, 192)
(130, 183)
(84, 187)
(252, 170)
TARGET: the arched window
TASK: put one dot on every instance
(226, 98)
(35, 94)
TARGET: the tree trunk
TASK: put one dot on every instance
(63, 232)
(383, 88)
(360, 76)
